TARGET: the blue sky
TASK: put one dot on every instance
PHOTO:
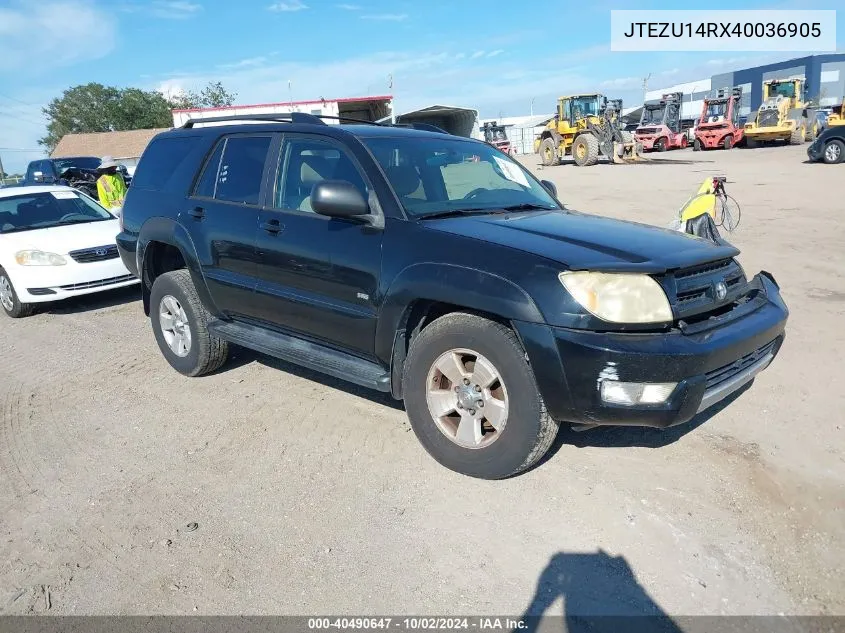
(494, 55)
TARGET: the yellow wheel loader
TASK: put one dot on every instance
(784, 116)
(837, 116)
(586, 127)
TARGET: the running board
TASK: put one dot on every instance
(304, 353)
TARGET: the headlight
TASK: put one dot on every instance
(39, 258)
(619, 297)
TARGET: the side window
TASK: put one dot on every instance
(241, 169)
(207, 183)
(305, 162)
(160, 160)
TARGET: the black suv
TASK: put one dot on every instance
(437, 269)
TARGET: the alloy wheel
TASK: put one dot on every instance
(831, 154)
(467, 398)
(174, 325)
(7, 299)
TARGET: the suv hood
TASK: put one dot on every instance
(589, 242)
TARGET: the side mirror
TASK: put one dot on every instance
(338, 199)
(38, 176)
(550, 187)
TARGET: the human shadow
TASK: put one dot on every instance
(600, 593)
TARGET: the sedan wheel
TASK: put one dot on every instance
(174, 326)
(832, 154)
(7, 299)
(467, 398)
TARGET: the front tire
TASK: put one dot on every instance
(797, 136)
(12, 305)
(585, 150)
(472, 399)
(180, 324)
(834, 152)
(548, 152)
(728, 142)
(660, 144)
(697, 146)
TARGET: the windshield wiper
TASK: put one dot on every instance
(525, 206)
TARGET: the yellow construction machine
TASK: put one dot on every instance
(783, 116)
(587, 127)
(837, 116)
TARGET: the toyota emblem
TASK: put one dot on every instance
(101, 252)
(721, 290)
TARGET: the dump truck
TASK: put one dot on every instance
(719, 123)
(784, 115)
(660, 124)
(587, 127)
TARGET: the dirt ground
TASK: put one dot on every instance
(311, 496)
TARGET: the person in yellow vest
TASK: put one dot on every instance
(110, 186)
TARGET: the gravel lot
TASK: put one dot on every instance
(311, 496)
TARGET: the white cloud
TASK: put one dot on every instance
(386, 17)
(174, 9)
(477, 54)
(292, 5)
(348, 7)
(498, 51)
(60, 31)
(244, 63)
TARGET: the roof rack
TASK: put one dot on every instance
(293, 117)
(302, 117)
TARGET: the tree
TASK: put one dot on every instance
(214, 95)
(94, 107)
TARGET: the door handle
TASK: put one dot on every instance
(272, 226)
(197, 212)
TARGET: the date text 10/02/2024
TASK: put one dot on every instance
(418, 623)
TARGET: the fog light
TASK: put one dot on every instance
(632, 393)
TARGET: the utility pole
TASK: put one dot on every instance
(532, 106)
(645, 86)
(392, 99)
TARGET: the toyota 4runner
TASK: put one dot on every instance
(439, 270)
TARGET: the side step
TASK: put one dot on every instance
(304, 353)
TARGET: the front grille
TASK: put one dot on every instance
(96, 254)
(726, 372)
(768, 118)
(99, 283)
(693, 291)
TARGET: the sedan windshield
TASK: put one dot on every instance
(436, 176)
(51, 208)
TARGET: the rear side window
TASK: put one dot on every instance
(207, 184)
(241, 169)
(160, 160)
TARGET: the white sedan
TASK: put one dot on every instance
(55, 243)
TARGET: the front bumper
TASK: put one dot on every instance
(39, 284)
(815, 152)
(647, 141)
(709, 361)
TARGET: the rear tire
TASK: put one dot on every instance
(728, 142)
(585, 150)
(684, 142)
(697, 146)
(10, 301)
(548, 152)
(797, 136)
(525, 430)
(176, 310)
(661, 144)
(750, 143)
(834, 152)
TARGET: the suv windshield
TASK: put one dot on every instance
(51, 208)
(433, 175)
(82, 162)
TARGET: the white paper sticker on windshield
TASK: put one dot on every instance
(64, 195)
(512, 172)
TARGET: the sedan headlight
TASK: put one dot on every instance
(619, 297)
(39, 258)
